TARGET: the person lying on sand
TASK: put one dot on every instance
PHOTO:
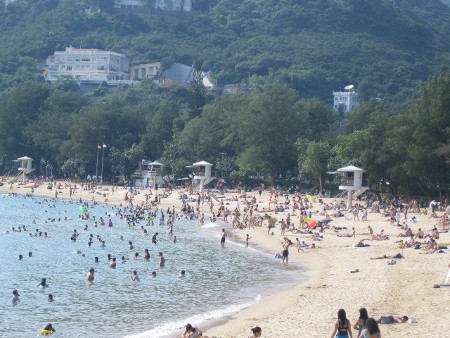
(398, 256)
(392, 319)
(348, 235)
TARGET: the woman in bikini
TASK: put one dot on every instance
(342, 328)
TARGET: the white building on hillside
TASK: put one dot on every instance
(345, 101)
(87, 65)
(165, 5)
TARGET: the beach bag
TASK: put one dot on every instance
(392, 262)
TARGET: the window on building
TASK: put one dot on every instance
(136, 74)
(144, 72)
(69, 67)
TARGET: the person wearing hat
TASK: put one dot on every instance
(15, 299)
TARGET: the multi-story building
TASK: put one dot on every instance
(144, 71)
(345, 101)
(87, 65)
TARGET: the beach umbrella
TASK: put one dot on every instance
(312, 224)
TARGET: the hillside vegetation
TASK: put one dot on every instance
(293, 53)
(314, 46)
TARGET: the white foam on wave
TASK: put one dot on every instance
(177, 326)
(210, 225)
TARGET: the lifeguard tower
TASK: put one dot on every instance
(148, 174)
(354, 181)
(25, 166)
(202, 173)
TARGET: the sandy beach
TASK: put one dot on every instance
(310, 308)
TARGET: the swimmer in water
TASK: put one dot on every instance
(50, 328)
(162, 260)
(123, 259)
(223, 236)
(135, 277)
(154, 239)
(43, 284)
(146, 255)
(112, 263)
(90, 275)
(50, 298)
(30, 254)
(15, 298)
(154, 274)
(96, 260)
(182, 274)
(20, 257)
(174, 239)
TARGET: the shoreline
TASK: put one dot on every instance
(311, 306)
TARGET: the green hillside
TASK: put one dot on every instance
(314, 46)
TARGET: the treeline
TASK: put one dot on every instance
(272, 135)
(313, 46)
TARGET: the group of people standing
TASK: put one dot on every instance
(366, 327)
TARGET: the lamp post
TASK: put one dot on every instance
(96, 167)
(103, 155)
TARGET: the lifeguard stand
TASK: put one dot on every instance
(149, 174)
(353, 180)
(202, 173)
(25, 166)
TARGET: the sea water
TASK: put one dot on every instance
(219, 281)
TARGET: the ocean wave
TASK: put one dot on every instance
(177, 326)
(210, 225)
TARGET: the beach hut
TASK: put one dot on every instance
(202, 173)
(354, 181)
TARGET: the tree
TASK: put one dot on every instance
(269, 129)
(125, 162)
(314, 163)
(197, 92)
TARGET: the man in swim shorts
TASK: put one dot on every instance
(223, 236)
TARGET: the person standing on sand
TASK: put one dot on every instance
(246, 240)
(285, 252)
(342, 328)
(223, 236)
(283, 227)
(361, 323)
